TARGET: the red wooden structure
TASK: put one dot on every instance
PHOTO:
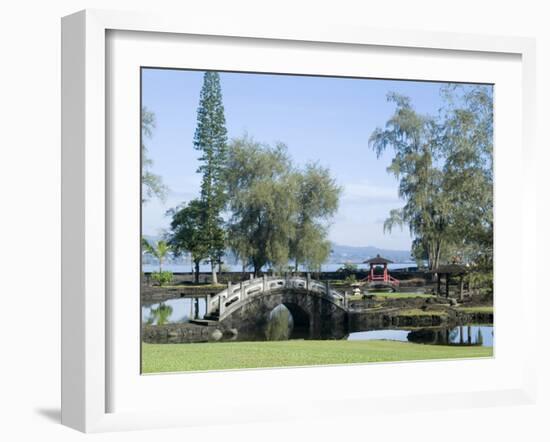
(378, 278)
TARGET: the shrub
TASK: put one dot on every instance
(350, 279)
(161, 278)
(348, 268)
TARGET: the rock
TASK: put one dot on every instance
(216, 335)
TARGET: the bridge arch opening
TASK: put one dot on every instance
(287, 321)
(300, 319)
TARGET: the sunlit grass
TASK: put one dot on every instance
(419, 312)
(194, 286)
(401, 295)
(232, 355)
(390, 295)
(478, 309)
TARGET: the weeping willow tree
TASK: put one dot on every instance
(467, 146)
(414, 139)
(444, 164)
(317, 196)
(260, 189)
(280, 213)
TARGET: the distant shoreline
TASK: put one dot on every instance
(205, 268)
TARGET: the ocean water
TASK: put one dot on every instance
(185, 268)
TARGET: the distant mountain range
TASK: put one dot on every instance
(357, 254)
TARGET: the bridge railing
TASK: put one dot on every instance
(228, 300)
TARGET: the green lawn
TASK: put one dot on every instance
(401, 295)
(231, 355)
(478, 309)
(419, 312)
(390, 295)
(194, 286)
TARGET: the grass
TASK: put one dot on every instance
(232, 355)
(478, 309)
(193, 286)
(401, 295)
(390, 295)
(419, 312)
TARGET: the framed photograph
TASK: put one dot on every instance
(252, 215)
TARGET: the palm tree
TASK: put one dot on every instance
(159, 251)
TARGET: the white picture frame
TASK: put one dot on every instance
(87, 353)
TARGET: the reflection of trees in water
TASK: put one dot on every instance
(461, 335)
(279, 325)
(160, 315)
(453, 334)
(479, 337)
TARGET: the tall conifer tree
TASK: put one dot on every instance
(211, 140)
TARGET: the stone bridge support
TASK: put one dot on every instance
(315, 316)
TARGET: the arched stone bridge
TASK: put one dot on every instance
(318, 310)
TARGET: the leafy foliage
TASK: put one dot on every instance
(444, 167)
(348, 268)
(317, 197)
(186, 232)
(152, 185)
(278, 212)
(162, 278)
(159, 251)
(260, 189)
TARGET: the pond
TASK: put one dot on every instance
(173, 311)
(459, 335)
(282, 326)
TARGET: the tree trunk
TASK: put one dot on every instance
(197, 268)
(214, 273)
(434, 255)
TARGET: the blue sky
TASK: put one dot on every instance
(322, 119)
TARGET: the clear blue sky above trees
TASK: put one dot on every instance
(318, 118)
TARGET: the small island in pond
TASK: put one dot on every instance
(294, 220)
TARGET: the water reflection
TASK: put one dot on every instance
(289, 321)
(280, 324)
(173, 311)
(374, 335)
(159, 315)
(461, 335)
